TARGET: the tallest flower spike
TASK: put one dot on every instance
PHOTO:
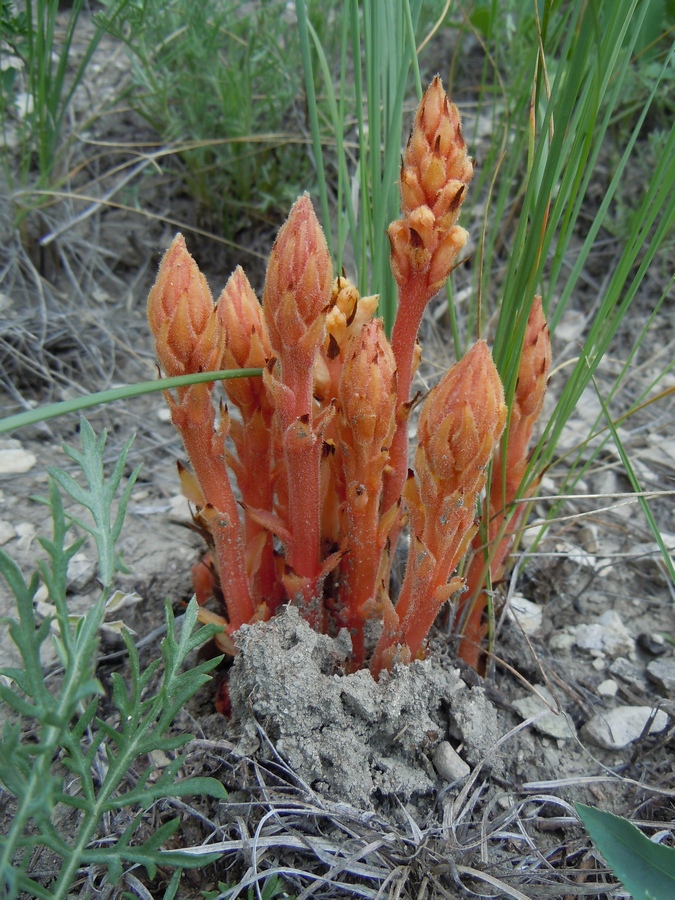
(426, 243)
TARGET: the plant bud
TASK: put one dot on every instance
(461, 422)
(298, 282)
(436, 165)
(528, 399)
(188, 336)
(535, 363)
(433, 180)
(246, 342)
(368, 387)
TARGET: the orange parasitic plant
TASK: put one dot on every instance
(318, 446)
(508, 479)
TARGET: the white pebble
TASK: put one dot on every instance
(448, 763)
(608, 688)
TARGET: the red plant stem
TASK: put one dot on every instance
(257, 489)
(429, 584)
(362, 565)
(303, 458)
(302, 447)
(196, 428)
(412, 300)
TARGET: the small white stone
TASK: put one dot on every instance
(608, 635)
(14, 460)
(662, 671)
(525, 613)
(588, 538)
(627, 671)
(179, 508)
(617, 640)
(571, 326)
(552, 724)
(81, 570)
(532, 532)
(599, 664)
(25, 531)
(7, 532)
(449, 764)
(164, 414)
(562, 642)
(621, 726)
(608, 688)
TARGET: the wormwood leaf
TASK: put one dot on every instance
(148, 854)
(23, 633)
(97, 755)
(646, 869)
(99, 496)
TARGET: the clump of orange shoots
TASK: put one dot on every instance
(318, 445)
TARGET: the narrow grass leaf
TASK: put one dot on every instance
(128, 392)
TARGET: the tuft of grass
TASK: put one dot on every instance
(220, 84)
(39, 75)
(56, 752)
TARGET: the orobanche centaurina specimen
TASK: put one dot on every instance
(318, 445)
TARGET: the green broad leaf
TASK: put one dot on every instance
(644, 868)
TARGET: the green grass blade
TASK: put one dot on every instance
(632, 477)
(305, 50)
(128, 392)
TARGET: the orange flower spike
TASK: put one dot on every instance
(528, 400)
(246, 344)
(188, 337)
(366, 425)
(460, 425)
(296, 297)
(368, 391)
(425, 244)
